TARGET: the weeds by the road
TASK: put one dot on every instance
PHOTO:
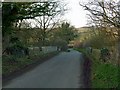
(103, 74)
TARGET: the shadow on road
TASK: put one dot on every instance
(87, 72)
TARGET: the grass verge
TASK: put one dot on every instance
(103, 75)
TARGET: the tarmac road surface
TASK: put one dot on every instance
(61, 71)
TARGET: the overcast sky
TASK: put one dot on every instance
(76, 15)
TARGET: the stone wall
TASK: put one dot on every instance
(44, 49)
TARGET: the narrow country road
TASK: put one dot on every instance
(61, 71)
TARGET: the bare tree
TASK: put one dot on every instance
(51, 15)
(105, 13)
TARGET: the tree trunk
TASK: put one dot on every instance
(118, 46)
(44, 31)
